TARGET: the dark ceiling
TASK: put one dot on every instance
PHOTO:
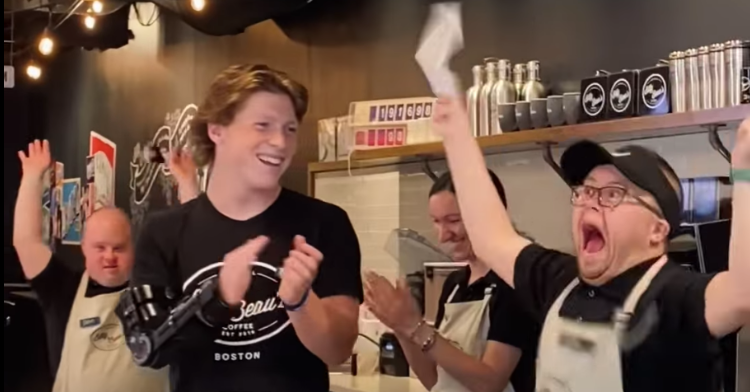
(25, 21)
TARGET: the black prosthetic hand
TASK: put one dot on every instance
(150, 318)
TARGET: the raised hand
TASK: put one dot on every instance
(450, 118)
(741, 153)
(37, 160)
(182, 166)
(393, 306)
(236, 274)
(300, 271)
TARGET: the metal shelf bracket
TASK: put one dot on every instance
(550, 160)
(716, 143)
(427, 169)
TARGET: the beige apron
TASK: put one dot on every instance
(96, 359)
(585, 357)
(466, 325)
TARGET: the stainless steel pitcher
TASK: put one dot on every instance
(472, 98)
(503, 92)
(533, 88)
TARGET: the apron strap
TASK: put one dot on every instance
(642, 286)
(622, 318)
(555, 309)
(453, 294)
(489, 291)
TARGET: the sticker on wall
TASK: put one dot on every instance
(46, 208)
(72, 212)
(56, 182)
(104, 153)
(87, 194)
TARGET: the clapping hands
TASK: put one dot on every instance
(393, 306)
(299, 273)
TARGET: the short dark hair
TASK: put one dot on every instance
(445, 183)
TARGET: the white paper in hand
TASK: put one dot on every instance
(441, 39)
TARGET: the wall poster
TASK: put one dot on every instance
(72, 212)
(103, 157)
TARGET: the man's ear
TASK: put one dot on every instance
(215, 133)
(660, 232)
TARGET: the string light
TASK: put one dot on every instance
(97, 6)
(46, 45)
(33, 71)
(89, 22)
(198, 5)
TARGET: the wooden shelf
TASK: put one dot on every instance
(608, 131)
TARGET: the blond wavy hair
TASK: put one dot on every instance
(229, 91)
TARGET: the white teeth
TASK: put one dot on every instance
(270, 160)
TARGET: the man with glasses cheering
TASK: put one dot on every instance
(618, 317)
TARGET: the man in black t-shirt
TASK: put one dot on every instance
(86, 344)
(275, 327)
(482, 340)
(618, 316)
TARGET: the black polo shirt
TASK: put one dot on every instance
(509, 324)
(674, 349)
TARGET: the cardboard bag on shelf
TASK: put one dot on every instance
(327, 139)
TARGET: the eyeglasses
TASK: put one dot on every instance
(608, 196)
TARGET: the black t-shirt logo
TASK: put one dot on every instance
(593, 99)
(263, 315)
(654, 91)
(620, 95)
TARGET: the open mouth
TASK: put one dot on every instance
(593, 239)
(271, 160)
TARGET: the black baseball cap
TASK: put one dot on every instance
(643, 167)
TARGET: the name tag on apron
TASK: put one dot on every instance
(91, 322)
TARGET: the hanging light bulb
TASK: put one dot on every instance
(33, 71)
(46, 44)
(97, 6)
(89, 22)
(198, 5)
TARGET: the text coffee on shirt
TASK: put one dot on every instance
(258, 351)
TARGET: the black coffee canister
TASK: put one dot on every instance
(594, 98)
(654, 91)
(624, 90)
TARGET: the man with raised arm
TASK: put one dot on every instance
(618, 316)
(86, 343)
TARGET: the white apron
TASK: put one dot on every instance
(466, 325)
(95, 357)
(585, 357)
